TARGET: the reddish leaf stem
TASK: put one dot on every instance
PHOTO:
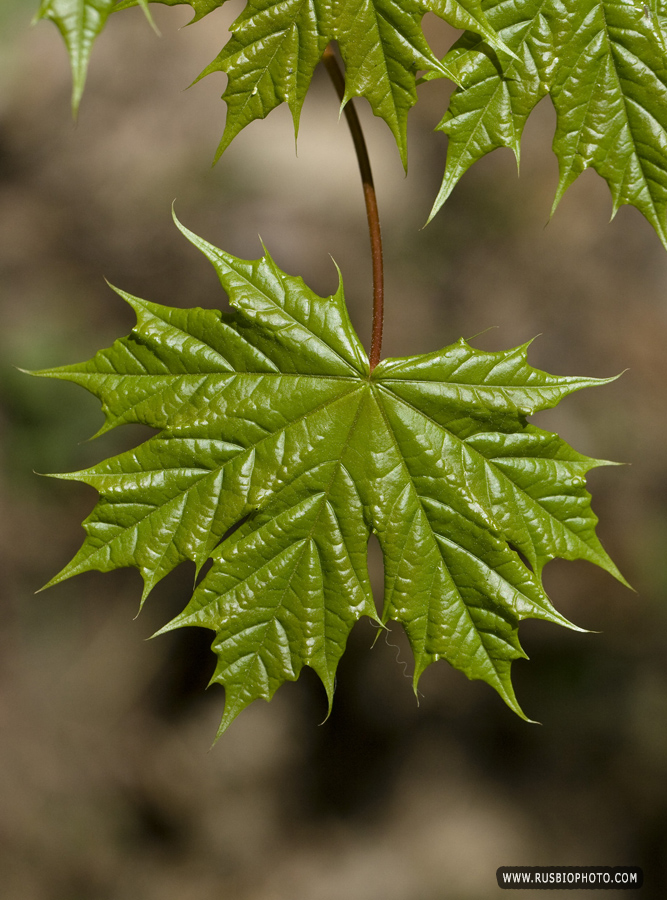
(336, 76)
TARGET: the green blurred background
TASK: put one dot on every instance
(108, 787)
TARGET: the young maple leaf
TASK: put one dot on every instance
(269, 417)
(604, 64)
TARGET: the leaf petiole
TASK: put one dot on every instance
(332, 67)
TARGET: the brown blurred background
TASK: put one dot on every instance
(108, 787)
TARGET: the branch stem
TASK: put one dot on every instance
(332, 67)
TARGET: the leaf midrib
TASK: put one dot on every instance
(410, 480)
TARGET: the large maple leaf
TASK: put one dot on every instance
(604, 63)
(269, 419)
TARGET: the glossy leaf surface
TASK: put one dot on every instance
(268, 419)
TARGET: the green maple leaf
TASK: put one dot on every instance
(603, 62)
(268, 419)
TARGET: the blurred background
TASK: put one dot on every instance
(109, 788)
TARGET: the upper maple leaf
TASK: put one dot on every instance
(602, 61)
(269, 417)
(275, 45)
(604, 64)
